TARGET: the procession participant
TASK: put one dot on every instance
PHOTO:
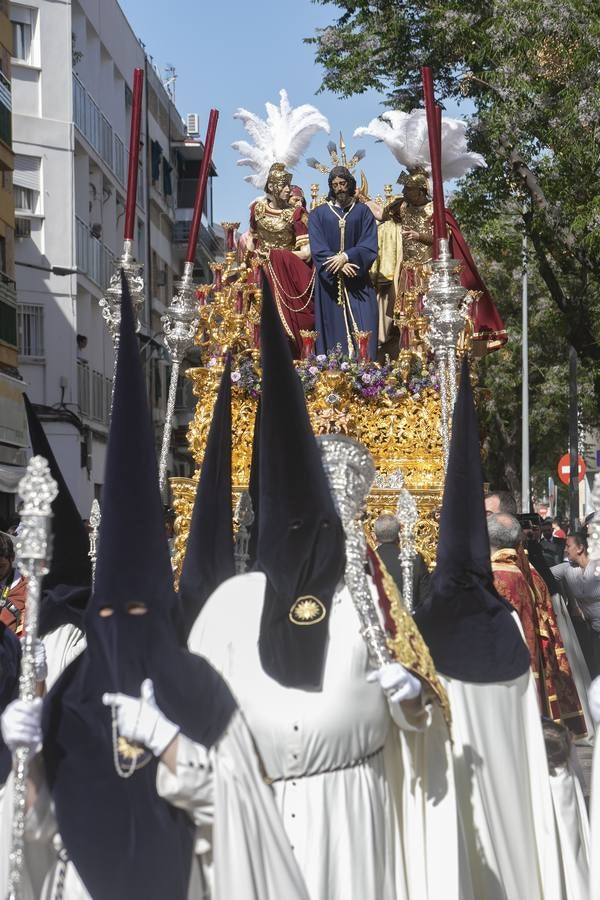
(594, 885)
(209, 559)
(287, 639)
(502, 781)
(13, 587)
(278, 229)
(387, 529)
(66, 588)
(97, 790)
(343, 241)
(517, 581)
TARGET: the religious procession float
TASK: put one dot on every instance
(378, 296)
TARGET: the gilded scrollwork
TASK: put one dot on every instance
(401, 434)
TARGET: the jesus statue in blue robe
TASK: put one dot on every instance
(343, 244)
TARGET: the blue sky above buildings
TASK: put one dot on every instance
(241, 54)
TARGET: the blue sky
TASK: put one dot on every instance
(241, 54)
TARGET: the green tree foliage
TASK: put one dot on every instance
(531, 70)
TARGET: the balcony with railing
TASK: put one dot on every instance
(98, 132)
(93, 258)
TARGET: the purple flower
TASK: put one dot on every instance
(344, 366)
(212, 362)
(366, 378)
(314, 370)
(321, 358)
(235, 377)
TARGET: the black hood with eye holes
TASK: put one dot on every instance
(125, 841)
(300, 539)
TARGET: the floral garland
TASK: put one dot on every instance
(369, 379)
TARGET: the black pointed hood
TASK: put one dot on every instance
(120, 850)
(300, 540)
(467, 626)
(66, 587)
(209, 559)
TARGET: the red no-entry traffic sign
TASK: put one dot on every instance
(564, 468)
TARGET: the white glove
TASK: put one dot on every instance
(21, 725)
(140, 720)
(397, 682)
(40, 665)
(594, 699)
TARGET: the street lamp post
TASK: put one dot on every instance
(525, 474)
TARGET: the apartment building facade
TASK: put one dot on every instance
(13, 432)
(72, 78)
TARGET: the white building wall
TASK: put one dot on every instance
(81, 190)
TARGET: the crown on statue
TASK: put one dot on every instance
(338, 157)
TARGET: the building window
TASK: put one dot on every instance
(26, 184)
(155, 156)
(98, 396)
(23, 25)
(2, 254)
(30, 319)
(8, 324)
(83, 386)
(22, 228)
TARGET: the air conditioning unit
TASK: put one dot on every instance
(192, 124)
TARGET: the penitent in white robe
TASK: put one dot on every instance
(355, 816)
(503, 789)
(595, 825)
(579, 669)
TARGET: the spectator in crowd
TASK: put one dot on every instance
(13, 587)
(552, 548)
(386, 530)
(578, 579)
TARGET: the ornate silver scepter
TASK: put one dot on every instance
(351, 471)
(408, 516)
(110, 304)
(37, 489)
(244, 516)
(95, 517)
(180, 323)
(445, 308)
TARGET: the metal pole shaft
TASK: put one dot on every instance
(525, 476)
(166, 443)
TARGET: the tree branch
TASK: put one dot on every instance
(547, 273)
(532, 185)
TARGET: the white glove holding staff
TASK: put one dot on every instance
(140, 720)
(21, 725)
(397, 682)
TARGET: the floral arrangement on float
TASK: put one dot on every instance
(388, 381)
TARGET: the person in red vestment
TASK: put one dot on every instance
(279, 233)
(13, 587)
(524, 588)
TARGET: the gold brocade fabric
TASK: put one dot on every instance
(408, 645)
(389, 253)
(274, 227)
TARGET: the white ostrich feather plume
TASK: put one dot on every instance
(282, 137)
(405, 134)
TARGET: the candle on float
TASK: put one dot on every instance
(239, 302)
(201, 297)
(202, 182)
(434, 133)
(134, 154)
